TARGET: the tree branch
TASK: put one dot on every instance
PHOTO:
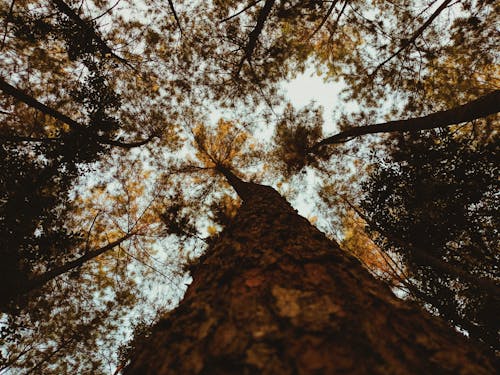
(426, 257)
(6, 24)
(482, 107)
(126, 145)
(105, 49)
(19, 139)
(330, 10)
(171, 5)
(254, 34)
(415, 35)
(241, 11)
(33, 103)
(44, 278)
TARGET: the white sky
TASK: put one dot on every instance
(309, 87)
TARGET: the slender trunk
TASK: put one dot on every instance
(274, 296)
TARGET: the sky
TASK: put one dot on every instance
(310, 87)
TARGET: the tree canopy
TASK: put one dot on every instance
(120, 119)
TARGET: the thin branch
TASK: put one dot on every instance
(107, 11)
(241, 11)
(336, 24)
(19, 139)
(254, 34)
(484, 106)
(415, 35)
(90, 230)
(325, 18)
(427, 258)
(105, 49)
(33, 103)
(125, 145)
(6, 24)
(44, 278)
(171, 5)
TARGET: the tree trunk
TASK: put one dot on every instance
(274, 296)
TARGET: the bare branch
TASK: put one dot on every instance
(33, 103)
(254, 34)
(484, 106)
(415, 35)
(6, 24)
(428, 258)
(44, 278)
(330, 10)
(105, 49)
(171, 5)
(241, 11)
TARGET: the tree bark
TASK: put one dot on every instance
(274, 296)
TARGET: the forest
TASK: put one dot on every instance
(166, 207)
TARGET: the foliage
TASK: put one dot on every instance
(105, 134)
(438, 193)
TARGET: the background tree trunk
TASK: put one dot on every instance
(274, 296)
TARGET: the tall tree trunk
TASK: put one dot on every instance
(274, 296)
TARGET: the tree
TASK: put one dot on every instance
(274, 296)
(437, 210)
(116, 171)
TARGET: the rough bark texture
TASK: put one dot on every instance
(274, 296)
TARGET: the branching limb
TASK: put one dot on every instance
(325, 18)
(105, 49)
(415, 35)
(486, 105)
(254, 34)
(33, 103)
(252, 4)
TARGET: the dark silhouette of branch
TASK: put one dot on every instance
(330, 10)
(336, 24)
(6, 24)
(105, 49)
(416, 34)
(44, 278)
(481, 107)
(19, 139)
(252, 4)
(33, 103)
(171, 5)
(107, 10)
(126, 145)
(254, 34)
